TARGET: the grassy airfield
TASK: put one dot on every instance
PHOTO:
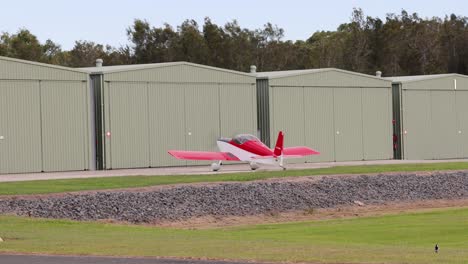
(393, 238)
(70, 185)
(401, 238)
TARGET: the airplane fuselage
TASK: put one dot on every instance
(248, 151)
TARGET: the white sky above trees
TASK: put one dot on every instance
(105, 21)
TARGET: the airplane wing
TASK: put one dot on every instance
(299, 151)
(202, 155)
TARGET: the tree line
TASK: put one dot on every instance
(401, 44)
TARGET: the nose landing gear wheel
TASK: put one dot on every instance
(216, 166)
(253, 166)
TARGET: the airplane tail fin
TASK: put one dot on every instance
(278, 151)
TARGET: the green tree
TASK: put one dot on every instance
(23, 45)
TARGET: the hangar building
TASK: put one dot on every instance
(431, 114)
(44, 118)
(145, 110)
(344, 115)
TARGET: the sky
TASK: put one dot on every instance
(106, 21)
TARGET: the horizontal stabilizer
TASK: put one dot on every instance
(202, 155)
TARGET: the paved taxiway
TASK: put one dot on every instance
(229, 168)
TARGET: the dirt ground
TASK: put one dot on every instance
(318, 214)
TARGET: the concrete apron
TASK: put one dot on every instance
(191, 170)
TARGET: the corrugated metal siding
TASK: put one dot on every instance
(444, 125)
(3, 117)
(128, 125)
(188, 107)
(20, 127)
(288, 114)
(234, 119)
(331, 79)
(462, 122)
(319, 125)
(263, 110)
(12, 69)
(64, 125)
(44, 117)
(202, 121)
(166, 122)
(417, 113)
(377, 123)
(434, 112)
(348, 124)
(180, 116)
(337, 114)
(180, 74)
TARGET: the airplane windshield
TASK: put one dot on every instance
(241, 139)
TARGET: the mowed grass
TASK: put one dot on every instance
(69, 185)
(404, 238)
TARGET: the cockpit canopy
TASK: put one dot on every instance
(242, 138)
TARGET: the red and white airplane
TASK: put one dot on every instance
(248, 148)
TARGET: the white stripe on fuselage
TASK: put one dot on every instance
(243, 155)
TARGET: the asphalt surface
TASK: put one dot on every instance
(34, 259)
(190, 170)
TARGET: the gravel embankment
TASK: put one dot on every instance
(241, 199)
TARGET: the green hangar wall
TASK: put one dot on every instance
(344, 115)
(44, 118)
(146, 110)
(432, 116)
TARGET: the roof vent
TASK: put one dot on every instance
(253, 69)
(378, 74)
(99, 62)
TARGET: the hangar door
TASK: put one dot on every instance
(64, 112)
(288, 116)
(343, 123)
(193, 116)
(417, 124)
(319, 123)
(166, 123)
(377, 123)
(126, 125)
(20, 128)
(431, 126)
(348, 124)
(443, 125)
(146, 119)
(202, 121)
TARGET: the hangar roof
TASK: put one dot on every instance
(17, 69)
(39, 64)
(136, 67)
(415, 78)
(325, 77)
(282, 74)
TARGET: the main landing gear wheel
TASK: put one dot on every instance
(253, 166)
(216, 166)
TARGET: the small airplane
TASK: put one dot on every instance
(247, 148)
